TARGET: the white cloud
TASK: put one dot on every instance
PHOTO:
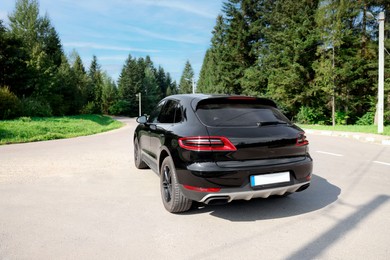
(193, 7)
(105, 47)
(181, 5)
(182, 38)
(102, 6)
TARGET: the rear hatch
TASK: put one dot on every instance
(260, 133)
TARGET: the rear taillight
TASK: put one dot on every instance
(206, 143)
(201, 189)
(301, 139)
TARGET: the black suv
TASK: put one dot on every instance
(218, 148)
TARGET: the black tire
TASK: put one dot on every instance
(173, 199)
(139, 163)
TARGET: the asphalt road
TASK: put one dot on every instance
(82, 198)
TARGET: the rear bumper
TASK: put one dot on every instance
(234, 183)
(246, 194)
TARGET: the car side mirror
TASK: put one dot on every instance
(142, 119)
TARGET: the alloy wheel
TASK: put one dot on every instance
(167, 184)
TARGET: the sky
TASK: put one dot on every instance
(169, 31)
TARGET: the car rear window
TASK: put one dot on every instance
(243, 113)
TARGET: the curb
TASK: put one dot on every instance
(363, 137)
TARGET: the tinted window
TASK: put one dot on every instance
(155, 113)
(239, 114)
(171, 113)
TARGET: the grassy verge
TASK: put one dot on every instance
(27, 129)
(371, 129)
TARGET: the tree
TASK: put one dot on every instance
(231, 64)
(25, 22)
(212, 73)
(109, 93)
(216, 62)
(238, 55)
(186, 79)
(13, 69)
(161, 82)
(44, 55)
(95, 88)
(130, 84)
(172, 88)
(81, 80)
(51, 43)
(150, 91)
(346, 33)
(206, 80)
(292, 41)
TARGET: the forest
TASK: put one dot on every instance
(312, 57)
(317, 59)
(37, 79)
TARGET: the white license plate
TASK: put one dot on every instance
(271, 178)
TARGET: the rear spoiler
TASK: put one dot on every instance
(237, 99)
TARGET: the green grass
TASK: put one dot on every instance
(27, 129)
(372, 129)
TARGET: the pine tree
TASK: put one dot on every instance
(81, 81)
(346, 43)
(109, 93)
(130, 83)
(51, 43)
(150, 91)
(171, 85)
(205, 82)
(238, 56)
(25, 22)
(161, 82)
(291, 45)
(187, 79)
(13, 69)
(213, 75)
(41, 42)
(95, 88)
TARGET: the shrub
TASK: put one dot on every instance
(35, 107)
(121, 107)
(366, 119)
(10, 105)
(307, 115)
(88, 109)
(91, 108)
(25, 119)
(341, 118)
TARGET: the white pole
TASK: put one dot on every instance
(381, 75)
(139, 104)
(333, 92)
(193, 86)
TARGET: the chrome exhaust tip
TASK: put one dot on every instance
(217, 200)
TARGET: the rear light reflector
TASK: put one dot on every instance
(206, 143)
(201, 189)
(301, 139)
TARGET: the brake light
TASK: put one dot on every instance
(301, 139)
(206, 143)
(200, 189)
(241, 98)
